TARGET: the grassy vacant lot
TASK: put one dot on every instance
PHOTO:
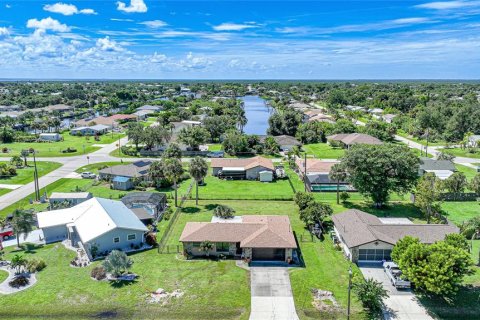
(461, 211)
(323, 151)
(83, 145)
(25, 175)
(326, 268)
(213, 290)
(459, 152)
(216, 188)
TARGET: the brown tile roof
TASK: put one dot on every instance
(357, 227)
(353, 138)
(252, 232)
(122, 116)
(247, 163)
(98, 120)
(315, 165)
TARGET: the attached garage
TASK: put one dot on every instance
(268, 254)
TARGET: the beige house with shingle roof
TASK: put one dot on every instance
(249, 167)
(250, 237)
(365, 237)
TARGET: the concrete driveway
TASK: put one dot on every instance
(401, 304)
(36, 236)
(271, 292)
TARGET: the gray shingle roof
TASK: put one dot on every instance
(136, 169)
(357, 227)
(432, 164)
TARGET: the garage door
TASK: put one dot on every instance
(268, 254)
(374, 254)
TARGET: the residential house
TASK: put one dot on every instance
(150, 108)
(388, 118)
(50, 137)
(142, 114)
(365, 237)
(107, 121)
(441, 168)
(124, 177)
(98, 224)
(285, 142)
(316, 175)
(73, 198)
(244, 168)
(95, 130)
(254, 238)
(349, 139)
(355, 108)
(474, 141)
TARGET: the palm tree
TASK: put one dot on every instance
(156, 172)
(22, 223)
(198, 170)
(337, 173)
(173, 170)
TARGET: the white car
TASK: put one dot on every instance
(88, 175)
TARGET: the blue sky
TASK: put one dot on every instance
(140, 39)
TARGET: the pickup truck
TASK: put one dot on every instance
(6, 233)
(395, 276)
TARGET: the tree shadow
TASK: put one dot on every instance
(117, 284)
(190, 210)
(211, 206)
(29, 248)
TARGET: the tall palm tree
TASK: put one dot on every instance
(337, 173)
(173, 170)
(22, 223)
(198, 170)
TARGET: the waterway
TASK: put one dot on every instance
(257, 112)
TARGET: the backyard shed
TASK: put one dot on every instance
(50, 137)
(266, 176)
(122, 183)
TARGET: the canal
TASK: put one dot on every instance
(257, 112)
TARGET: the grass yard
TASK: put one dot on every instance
(323, 151)
(25, 175)
(461, 211)
(215, 147)
(216, 188)
(326, 268)
(97, 166)
(459, 152)
(213, 290)
(4, 191)
(83, 145)
(3, 275)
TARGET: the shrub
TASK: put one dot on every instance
(151, 239)
(98, 273)
(344, 196)
(223, 211)
(19, 281)
(117, 263)
(35, 265)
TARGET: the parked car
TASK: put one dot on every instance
(216, 154)
(88, 175)
(395, 275)
(6, 233)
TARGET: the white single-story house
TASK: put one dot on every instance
(365, 237)
(243, 168)
(254, 238)
(50, 137)
(99, 225)
(73, 198)
(97, 129)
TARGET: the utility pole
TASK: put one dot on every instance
(35, 178)
(426, 147)
(349, 289)
(305, 172)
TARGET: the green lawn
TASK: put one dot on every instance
(326, 268)
(3, 275)
(4, 191)
(323, 151)
(461, 211)
(25, 175)
(83, 145)
(459, 152)
(213, 290)
(469, 172)
(215, 147)
(216, 188)
(96, 166)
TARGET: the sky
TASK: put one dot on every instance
(158, 39)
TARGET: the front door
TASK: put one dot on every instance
(239, 250)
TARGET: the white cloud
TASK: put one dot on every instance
(4, 32)
(158, 58)
(135, 6)
(66, 9)
(154, 24)
(8, 6)
(448, 5)
(233, 27)
(418, 20)
(194, 62)
(105, 44)
(47, 24)
(121, 20)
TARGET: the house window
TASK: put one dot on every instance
(131, 237)
(116, 240)
(196, 244)
(223, 246)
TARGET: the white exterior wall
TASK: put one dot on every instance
(253, 174)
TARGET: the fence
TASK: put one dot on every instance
(158, 153)
(161, 244)
(467, 196)
(243, 197)
(171, 248)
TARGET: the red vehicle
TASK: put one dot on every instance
(6, 233)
